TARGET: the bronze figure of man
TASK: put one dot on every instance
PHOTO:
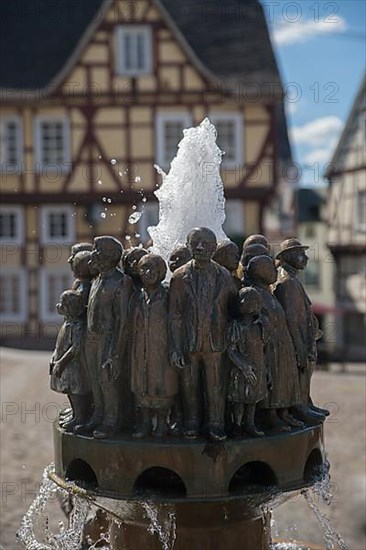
(107, 336)
(201, 292)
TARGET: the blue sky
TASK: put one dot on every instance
(320, 48)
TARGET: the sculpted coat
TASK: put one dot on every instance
(199, 310)
(302, 324)
(152, 375)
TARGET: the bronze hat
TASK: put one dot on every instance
(290, 244)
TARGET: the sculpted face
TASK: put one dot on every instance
(152, 270)
(131, 261)
(297, 258)
(202, 245)
(98, 257)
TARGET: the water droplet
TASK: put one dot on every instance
(137, 179)
(109, 200)
(134, 207)
(144, 199)
(99, 157)
(103, 215)
(99, 182)
(137, 235)
(104, 199)
(128, 238)
(113, 162)
(134, 218)
(120, 174)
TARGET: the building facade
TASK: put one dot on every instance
(347, 230)
(93, 94)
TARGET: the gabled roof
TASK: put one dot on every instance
(335, 164)
(228, 41)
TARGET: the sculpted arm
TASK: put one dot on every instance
(116, 344)
(176, 322)
(287, 300)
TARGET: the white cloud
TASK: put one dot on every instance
(320, 156)
(322, 132)
(301, 31)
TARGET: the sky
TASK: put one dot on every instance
(320, 48)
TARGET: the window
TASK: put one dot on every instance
(361, 211)
(169, 132)
(134, 50)
(312, 274)
(53, 283)
(57, 224)
(52, 143)
(229, 127)
(11, 224)
(11, 143)
(13, 295)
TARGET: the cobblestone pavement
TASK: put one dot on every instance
(29, 406)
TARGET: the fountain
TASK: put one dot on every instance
(183, 435)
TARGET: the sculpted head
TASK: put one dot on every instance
(71, 304)
(292, 252)
(81, 265)
(106, 254)
(180, 256)
(257, 239)
(130, 260)
(251, 251)
(227, 255)
(262, 270)
(202, 244)
(152, 270)
(250, 301)
(78, 247)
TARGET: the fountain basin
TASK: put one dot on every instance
(183, 470)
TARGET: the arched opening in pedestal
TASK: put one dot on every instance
(81, 473)
(160, 482)
(314, 466)
(252, 474)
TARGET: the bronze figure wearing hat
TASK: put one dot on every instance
(301, 321)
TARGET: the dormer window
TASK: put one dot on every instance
(134, 50)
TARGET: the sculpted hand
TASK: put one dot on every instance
(107, 366)
(177, 359)
(302, 360)
(251, 377)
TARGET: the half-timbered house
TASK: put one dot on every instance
(93, 94)
(347, 230)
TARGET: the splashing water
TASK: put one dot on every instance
(192, 193)
(164, 527)
(68, 538)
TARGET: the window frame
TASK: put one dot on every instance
(22, 316)
(46, 238)
(161, 119)
(45, 315)
(238, 119)
(19, 238)
(360, 225)
(40, 164)
(121, 32)
(18, 166)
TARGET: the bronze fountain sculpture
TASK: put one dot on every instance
(189, 386)
(193, 394)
